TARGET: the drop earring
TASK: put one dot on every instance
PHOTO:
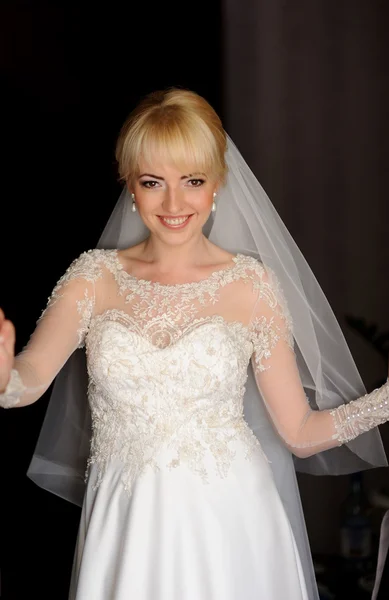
(133, 207)
(214, 203)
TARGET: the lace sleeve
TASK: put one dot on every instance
(304, 430)
(60, 330)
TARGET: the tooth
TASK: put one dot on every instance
(177, 221)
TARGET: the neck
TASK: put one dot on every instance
(170, 258)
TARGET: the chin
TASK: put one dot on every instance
(175, 239)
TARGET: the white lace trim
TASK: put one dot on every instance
(13, 392)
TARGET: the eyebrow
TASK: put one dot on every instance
(162, 179)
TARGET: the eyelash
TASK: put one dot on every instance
(146, 185)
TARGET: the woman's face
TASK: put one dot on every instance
(174, 205)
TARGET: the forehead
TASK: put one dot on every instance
(167, 169)
(173, 154)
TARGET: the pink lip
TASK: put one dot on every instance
(181, 226)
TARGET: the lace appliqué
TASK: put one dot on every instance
(163, 311)
(147, 415)
(265, 336)
(87, 267)
(359, 416)
(196, 450)
(163, 395)
(267, 332)
(169, 334)
(13, 392)
(85, 310)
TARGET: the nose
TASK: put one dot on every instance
(173, 202)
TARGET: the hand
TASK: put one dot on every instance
(7, 350)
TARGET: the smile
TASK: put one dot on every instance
(175, 222)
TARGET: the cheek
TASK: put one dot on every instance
(204, 201)
(147, 201)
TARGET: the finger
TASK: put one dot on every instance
(5, 368)
(2, 317)
(4, 357)
(8, 333)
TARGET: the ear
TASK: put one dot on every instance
(217, 187)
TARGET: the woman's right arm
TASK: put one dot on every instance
(60, 330)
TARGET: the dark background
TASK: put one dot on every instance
(71, 72)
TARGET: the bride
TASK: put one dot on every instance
(212, 358)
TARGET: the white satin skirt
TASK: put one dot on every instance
(178, 538)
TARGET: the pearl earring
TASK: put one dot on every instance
(214, 203)
(133, 207)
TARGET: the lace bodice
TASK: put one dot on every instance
(167, 370)
(167, 366)
(179, 405)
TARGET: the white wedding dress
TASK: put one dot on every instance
(180, 501)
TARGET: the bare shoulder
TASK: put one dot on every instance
(131, 251)
(132, 254)
(216, 256)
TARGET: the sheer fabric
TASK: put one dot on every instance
(60, 331)
(246, 298)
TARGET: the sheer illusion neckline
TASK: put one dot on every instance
(215, 275)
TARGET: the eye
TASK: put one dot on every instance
(149, 184)
(196, 182)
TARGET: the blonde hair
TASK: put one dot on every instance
(175, 126)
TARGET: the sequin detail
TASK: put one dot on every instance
(359, 416)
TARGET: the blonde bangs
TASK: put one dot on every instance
(189, 149)
(175, 135)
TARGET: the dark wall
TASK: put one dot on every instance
(306, 93)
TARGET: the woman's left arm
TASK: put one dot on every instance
(305, 431)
